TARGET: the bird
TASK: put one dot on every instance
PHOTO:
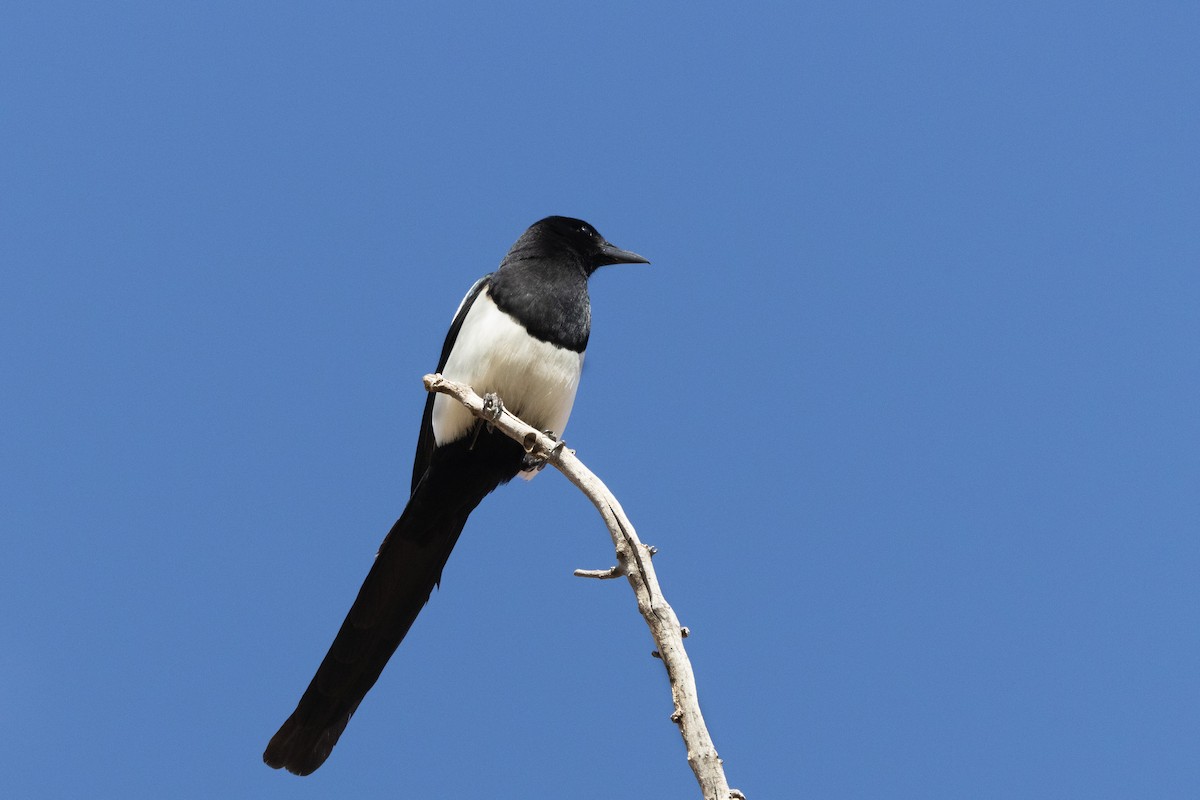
(520, 333)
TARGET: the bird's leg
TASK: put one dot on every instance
(493, 407)
(538, 463)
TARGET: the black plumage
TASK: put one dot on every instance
(521, 331)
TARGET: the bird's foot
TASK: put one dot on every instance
(532, 463)
(493, 407)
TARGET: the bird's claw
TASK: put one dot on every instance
(493, 407)
(532, 463)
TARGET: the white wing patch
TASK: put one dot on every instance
(493, 353)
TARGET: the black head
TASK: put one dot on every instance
(564, 236)
(542, 282)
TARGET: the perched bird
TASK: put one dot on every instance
(520, 333)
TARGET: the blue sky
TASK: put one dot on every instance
(907, 400)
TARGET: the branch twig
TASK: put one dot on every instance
(599, 574)
(633, 561)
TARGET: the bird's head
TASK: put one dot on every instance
(574, 237)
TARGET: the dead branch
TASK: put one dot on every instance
(634, 562)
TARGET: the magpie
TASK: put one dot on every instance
(520, 333)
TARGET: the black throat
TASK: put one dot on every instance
(547, 295)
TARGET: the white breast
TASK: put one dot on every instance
(493, 353)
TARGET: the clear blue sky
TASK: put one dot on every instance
(908, 399)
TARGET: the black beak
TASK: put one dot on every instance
(615, 255)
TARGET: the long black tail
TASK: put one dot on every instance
(408, 566)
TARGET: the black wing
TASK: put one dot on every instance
(425, 441)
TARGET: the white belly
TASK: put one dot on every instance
(493, 353)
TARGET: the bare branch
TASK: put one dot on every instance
(633, 561)
(599, 574)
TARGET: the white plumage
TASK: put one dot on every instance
(493, 353)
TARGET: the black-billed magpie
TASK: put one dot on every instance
(520, 333)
